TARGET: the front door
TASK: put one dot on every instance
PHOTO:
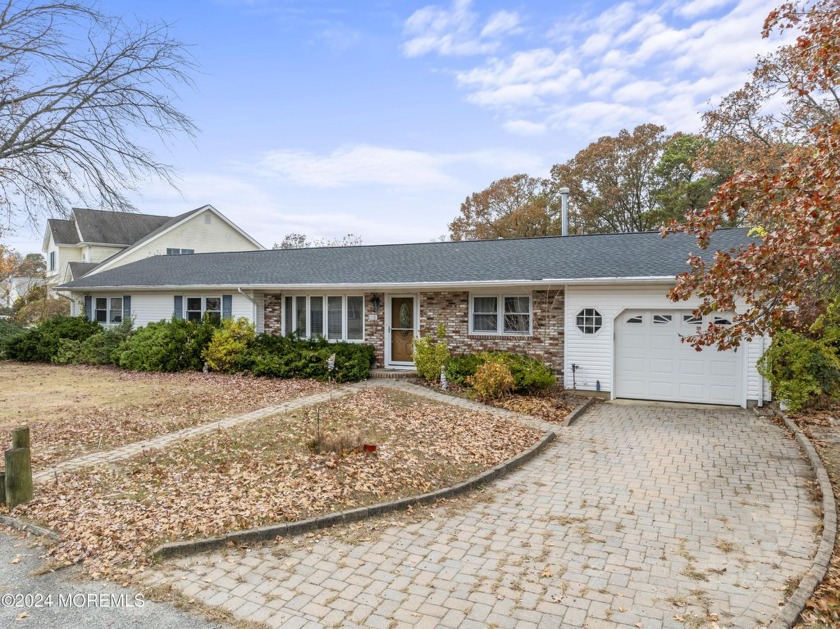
(402, 329)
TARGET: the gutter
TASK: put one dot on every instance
(659, 279)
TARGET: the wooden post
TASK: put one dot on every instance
(2, 488)
(18, 477)
(20, 437)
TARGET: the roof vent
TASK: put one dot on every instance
(564, 210)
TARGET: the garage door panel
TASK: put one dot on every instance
(653, 363)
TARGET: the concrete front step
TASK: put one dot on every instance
(393, 374)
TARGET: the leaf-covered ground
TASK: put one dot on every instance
(823, 429)
(265, 472)
(73, 410)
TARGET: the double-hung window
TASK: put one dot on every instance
(500, 314)
(108, 310)
(334, 317)
(197, 307)
(174, 251)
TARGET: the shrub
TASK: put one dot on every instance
(167, 346)
(801, 369)
(43, 342)
(430, 355)
(491, 381)
(459, 368)
(529, 374)
(102, 348)
(68, 352)
(287, 357)
(8, 331)
(228, 343)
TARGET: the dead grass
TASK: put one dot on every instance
(73, 410)
(264, 472)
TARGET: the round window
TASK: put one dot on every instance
(589, 321)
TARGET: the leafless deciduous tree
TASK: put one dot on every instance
(82, 95)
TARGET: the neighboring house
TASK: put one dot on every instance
(91, 241)
(595, 307)
(15, 287)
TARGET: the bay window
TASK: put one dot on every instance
(334, 317)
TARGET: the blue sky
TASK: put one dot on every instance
(378, 118)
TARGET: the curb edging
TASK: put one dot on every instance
(576, 414)
(28, 527)
(264, 533)
(796, 603)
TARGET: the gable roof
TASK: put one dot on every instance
(551, 259)
(115, 228)
(63, 231)
(78, 269)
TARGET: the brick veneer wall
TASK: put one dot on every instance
(273, 313)
(375, 329)
(452, 309)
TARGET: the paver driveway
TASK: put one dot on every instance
(638, 516)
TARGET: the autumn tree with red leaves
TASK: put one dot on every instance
(786, 186)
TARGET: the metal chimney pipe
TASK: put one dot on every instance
(564, 209)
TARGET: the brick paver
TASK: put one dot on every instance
(638, 516)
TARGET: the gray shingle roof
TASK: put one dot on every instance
(528, 259)
(78, 269)
(63, 231)
(117, 228)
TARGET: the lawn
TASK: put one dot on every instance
(73, 410)
(266, 472)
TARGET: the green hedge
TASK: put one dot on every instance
(43, 342)
(286, 357)
(530, 375)
(9, 330)
(166, 346)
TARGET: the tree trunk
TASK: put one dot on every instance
(20, 437)
(18, 477)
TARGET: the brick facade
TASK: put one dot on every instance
(273, 322)
(452, 309)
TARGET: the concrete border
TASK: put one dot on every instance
(576, 414)
(28, 527)
(796, 603)
(189, 547)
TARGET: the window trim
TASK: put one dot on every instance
(500, 314)
(108, 310)
(203, 299)
(595, 313)
(307, 314)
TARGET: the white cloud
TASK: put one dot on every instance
(524, 127)
(501, 23)
(374, 165)
(456, 31)
(638, 61)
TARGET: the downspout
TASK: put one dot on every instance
(761, 379)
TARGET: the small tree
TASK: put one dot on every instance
(430, 355)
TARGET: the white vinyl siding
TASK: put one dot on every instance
(195, 235)
(158, 306)
(593, 354)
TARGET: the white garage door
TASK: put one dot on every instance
(653, 364)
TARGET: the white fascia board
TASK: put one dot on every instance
(385, 286)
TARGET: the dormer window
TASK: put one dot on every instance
(179, 252)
